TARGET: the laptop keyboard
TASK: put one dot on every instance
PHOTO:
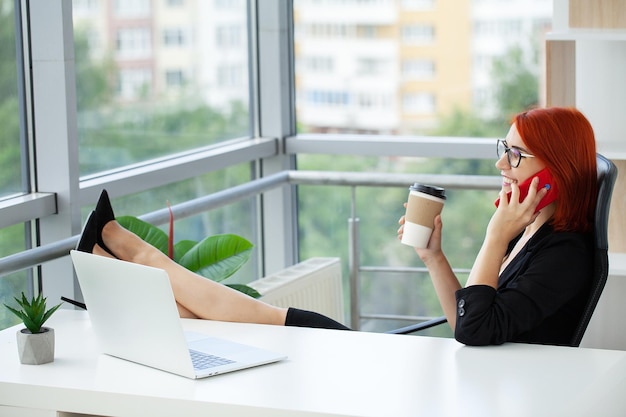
(204, 360)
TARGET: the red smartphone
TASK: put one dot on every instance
(545, 180)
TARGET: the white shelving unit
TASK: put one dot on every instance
(587, 69)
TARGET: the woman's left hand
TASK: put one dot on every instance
(512, 216)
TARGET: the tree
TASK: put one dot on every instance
(466, 123)
(93, 78)
(10, 162)
(515, 88)
(516, 83)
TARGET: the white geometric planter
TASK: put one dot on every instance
(37, 348)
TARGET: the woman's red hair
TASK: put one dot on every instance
(563, 139)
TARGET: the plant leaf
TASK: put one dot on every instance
(245, 289)
(49, 313)
(18, 313)
(146, 231)
(182, 247)
(31, 325)
(218, 257)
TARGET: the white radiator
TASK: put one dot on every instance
(314, 284)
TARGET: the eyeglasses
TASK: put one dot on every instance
(513, 154)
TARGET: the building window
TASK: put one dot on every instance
(174, 37)
(174, 78)
(328, 98)
(373, 101)
(507, 28)
(418, 103)
(418, 69)
(418, 4)
(132, 8)
(332, 30)
(366, 31)
(371, 66)
(84, 7)
(134, 42)
(230, 76)
(418, 33)
(228, 36)
(227, 4)
(318, 64)
(134, 83)
(482, 63)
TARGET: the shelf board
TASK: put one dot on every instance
(617, 264)
(588, 34)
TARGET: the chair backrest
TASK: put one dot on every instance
(607, 173)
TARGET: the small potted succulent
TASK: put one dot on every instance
(35, 343)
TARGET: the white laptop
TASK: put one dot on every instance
(133, 313)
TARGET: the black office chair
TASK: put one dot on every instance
(607, 173)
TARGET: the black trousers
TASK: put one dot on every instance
(304, 318)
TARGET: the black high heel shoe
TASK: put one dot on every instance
(88, 237)
(92, 232)
(104, 214)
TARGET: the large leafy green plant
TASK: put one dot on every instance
(33, 313)
(215, 257)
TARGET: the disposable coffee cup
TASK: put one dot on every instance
(424, 204)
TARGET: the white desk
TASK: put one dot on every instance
(328, 373)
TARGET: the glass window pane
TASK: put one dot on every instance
(12, 285)
(156, 78)
(10, 159)
(12, 239)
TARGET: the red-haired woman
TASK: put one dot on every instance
(529, 281)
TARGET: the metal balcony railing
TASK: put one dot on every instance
(354, 180)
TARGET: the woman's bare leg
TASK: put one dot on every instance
(195, 295)
(182, 311)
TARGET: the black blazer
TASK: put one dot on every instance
(540, 297)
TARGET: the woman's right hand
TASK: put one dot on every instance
(434, 243)
(433, 249)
